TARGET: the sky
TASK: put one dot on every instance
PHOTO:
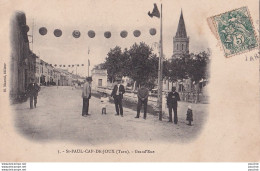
(100, 16)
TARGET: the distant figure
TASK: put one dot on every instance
(104, 100)
(142, 95)
(189, 115)
(172, 104)
(86, 95)
(117, 94)
(33, 89)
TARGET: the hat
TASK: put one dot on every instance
(189, 107)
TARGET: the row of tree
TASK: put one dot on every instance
(141, 65)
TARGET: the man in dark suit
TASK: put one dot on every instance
(172, 103)
(142, 95)
(33, 89)
(117, 94)
(86, 95)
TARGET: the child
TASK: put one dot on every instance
(104, 101)
(189, 115)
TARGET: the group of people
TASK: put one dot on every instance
(117, 94)
(142, 94)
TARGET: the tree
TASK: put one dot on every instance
(143, 65)
(176, 68)
(115, 63)
(197, 66)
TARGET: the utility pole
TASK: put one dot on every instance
(88, 60)
(88, 67)
(160, 70)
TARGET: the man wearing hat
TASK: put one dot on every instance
(86, 95)
(172, 103)
(33, 89)
(117, 94)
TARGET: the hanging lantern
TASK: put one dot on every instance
(64, 65)
(60, 65)
(107, 34)
(91, 34)
(137, 33)
(72, 65)
(123, 34)
(50, 64)
(43, 31)
(25, 28)
(78, 65)
(55, 65)
(76, 34)
(153, 31)
(82, 64)
(57, 32)
(68, 65)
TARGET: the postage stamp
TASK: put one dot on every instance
(235, 31)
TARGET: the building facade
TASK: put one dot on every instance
(23, 61)
(99, 77)
(56, 77)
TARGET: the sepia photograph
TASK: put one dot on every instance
(130, 80)
(65, 85)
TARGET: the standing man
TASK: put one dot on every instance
(33, 89)
(86, 95)
(172, 104)
(117, 94)
(142, 95)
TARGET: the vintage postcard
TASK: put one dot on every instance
(129, 81)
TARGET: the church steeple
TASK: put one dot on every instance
(181, 40)
(181, 31)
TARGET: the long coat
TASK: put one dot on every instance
(172, 99)
(33, 89)
(86, 92)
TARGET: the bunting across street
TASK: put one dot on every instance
(61, 65)
(91, 33)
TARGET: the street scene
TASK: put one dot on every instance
(56, 119)
(102, 85)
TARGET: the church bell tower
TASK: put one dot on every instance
(180, 41)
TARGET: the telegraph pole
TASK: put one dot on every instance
(160, 70)
(88, 61)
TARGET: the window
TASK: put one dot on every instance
(100, 82)
(177, 46)
(182, 46)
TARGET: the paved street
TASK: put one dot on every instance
(58, 118)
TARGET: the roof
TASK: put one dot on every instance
(181, 31)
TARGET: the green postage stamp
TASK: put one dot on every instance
(235, 31)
